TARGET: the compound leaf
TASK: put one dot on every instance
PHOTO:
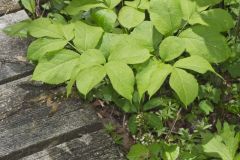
(89, 58)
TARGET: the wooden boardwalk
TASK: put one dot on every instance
(37, 121)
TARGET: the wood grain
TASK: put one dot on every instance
(94, 146)
(34, 116)
(13, 64)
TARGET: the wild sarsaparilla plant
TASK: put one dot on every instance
(135, 46)
(92, 40)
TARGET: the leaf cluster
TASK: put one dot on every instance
(130, 52)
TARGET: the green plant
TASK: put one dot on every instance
(224, 144)
(153, 152)
(233, 104)
(76, 49)
(125, 52)
(110, 129)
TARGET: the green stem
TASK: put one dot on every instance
(74, 48)
(174, 123)
(183, 27)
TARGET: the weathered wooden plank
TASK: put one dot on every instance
(93, 146)
(33, 116)
(12, 62)
(12, 71)
(7, 6)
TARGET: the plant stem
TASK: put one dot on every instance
(174, 123)
(124, 119)
(183, 27)
(74, 48)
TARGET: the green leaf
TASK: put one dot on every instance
(112, 3)
(105, 18)
(151, 77)
(122, 78)
(30, 5)
(66, 30)
(206, 107)
(89, 78)
(237, 157)
(129, 51)
(158, 78)
(107, 93)
(132, 125)
(89, 58)
(189, 7)
(166, 15)
(233, 69)
(57, 18)
(218, 19)
(86, 36)
(143, 77)
(19, 29)
(215, 145)
(155, 149)
(171, 152)
(153, 120)
(56, 69)
(171, 48)
(76, 6)
(130, 17)
(231, 138)
(195, 63)
(207, 43)
(146, 35)
(203, 4)
(127, 106)
(110, 41)
(40, 47)
(185, 85)
(124, 104)
(92, 56)
(38, 29)
(138, 152)
(152, 103)
(141, 4)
